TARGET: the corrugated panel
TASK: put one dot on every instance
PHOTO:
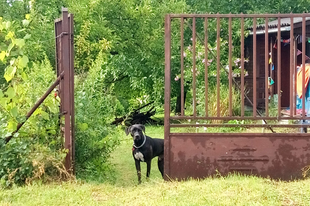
(285, 22)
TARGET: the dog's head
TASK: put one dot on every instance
(136, 131)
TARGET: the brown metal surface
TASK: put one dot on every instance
(230, 65)
(303, 62)
(182, 66)
(194, 66)
(254, 69)
(243, 125)
(218, 40)
(167, 91)
(242, 67)
(279, 67)
(58, 34)
(65, 65)
(71, 68)
(266, 69)
(206, 67)
(292, 66)
(203, 155)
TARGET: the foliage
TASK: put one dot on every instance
(41, 27)
(13, 63)
(95, 107)
(14, 10)
(135, 32)
(36, 151)
(119, 62)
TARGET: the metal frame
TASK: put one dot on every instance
(65, 64)
(189, 154)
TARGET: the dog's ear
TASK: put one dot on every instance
(127, 130)
(142, 127)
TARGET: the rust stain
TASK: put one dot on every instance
(202, 155)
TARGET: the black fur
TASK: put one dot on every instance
(152, 147)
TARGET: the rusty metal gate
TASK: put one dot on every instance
(262, 60)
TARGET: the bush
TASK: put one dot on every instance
(95, 139)
(35, 152)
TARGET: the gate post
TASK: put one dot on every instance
(167, 96)
(64, 61)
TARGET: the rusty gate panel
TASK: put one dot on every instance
(279, 155)
(204, 155)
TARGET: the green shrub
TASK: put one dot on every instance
(35, 152)
(95, 109)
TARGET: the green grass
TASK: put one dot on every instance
(122, 188)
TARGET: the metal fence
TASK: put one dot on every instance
(274, 45)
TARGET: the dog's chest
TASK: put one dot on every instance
(138, 155)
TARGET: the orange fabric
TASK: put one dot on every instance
(299, 85)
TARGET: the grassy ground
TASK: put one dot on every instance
(122, 189)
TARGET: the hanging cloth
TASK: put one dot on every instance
(299, 85)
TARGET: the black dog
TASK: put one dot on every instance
(145, 149)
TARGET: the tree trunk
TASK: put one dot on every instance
(178, 103)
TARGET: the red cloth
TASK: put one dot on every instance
(299, 85)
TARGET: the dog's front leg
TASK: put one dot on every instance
(148, 168)
(138, 168)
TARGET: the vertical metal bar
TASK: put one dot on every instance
(71, 41)
(218, 40)
(294, 75)
(194, 66)
(266, 69)
(67, 106)
(230, 66)
(182, 66)
(303, 65)
(242, 66)
(57, 46)
(59, 69)
(167, 95)
(254, 69)
(279, 68)
(206, 67)
(292, 98)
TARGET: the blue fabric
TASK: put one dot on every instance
(307, 101)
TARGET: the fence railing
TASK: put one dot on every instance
(266, 47)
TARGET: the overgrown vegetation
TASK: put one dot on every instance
(122, 189)
(119, 64)
(94, 137)
(36, 151)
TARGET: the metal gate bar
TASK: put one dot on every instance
(219, 66)
(64, 63)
